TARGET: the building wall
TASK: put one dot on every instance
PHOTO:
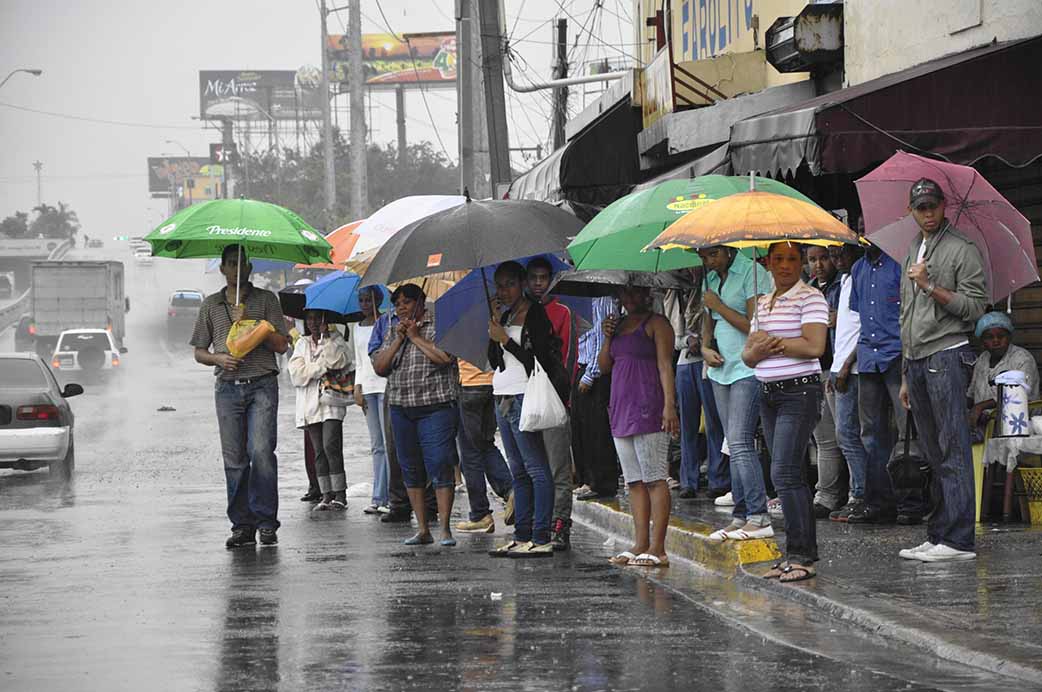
(884, 36)
(704, 29)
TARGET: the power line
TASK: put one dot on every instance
(388, 25)
(100, 121)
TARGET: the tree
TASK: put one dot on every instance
(54, 222)
(15, 226)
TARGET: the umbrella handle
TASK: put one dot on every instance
(488, 298)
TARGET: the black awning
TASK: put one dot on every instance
(964, 107)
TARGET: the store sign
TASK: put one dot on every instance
(657, 88)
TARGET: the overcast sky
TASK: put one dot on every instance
(137, 61)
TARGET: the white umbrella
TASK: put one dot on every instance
(391, 218)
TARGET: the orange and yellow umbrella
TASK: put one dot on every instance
(754, 219)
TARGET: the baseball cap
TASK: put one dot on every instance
(924, 190)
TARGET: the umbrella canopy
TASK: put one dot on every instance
(292, 299)
(393, 217)
(755, 219)
(972, 205)
(594, 283)
(343, 240)
(266, 231)
(461, 315)
(471, 235)
(616, 237)
(213, 265)
(338, 292)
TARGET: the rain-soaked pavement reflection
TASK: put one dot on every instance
(119, 580)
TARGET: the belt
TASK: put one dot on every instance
(782, 385)
(250, 380)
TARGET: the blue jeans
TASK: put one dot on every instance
(937, 392)
(848, 434)
(425, 439)
(789, 418)
(374, 419)
(739, 406)
(479, 456)
(690, 404)
(719, 472)
(533, 480)
(247, 418)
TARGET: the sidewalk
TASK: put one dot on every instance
(986, 613)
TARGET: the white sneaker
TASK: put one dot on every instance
(724, 500)
(913, 553)
(943, 553)
(751, 532)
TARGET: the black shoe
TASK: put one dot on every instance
(241, 538)
(268, 537)
(687, 493)
(821, 511)
(594, 495)
(396, 517)
(714, 493)
(313, 495)
(909, 519)
(866, 514)
(560, 535)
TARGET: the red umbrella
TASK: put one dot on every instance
(972, 205)
(343, 241)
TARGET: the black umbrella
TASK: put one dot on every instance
(472, 235)
(594, 283)
(293, 300)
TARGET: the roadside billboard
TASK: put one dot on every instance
(252, 94)
(386, 61)
(164, 172)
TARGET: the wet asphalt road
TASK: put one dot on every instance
(119, 580)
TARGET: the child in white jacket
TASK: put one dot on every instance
(321, 350)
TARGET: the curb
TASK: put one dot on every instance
(689, 539)
(684, 538)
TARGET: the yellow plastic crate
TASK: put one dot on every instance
(1031, 481)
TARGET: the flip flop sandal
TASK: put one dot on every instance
(502, 550)
(337, 505)
(777, 569)
(649, 560)
(322, 507)
(623, 558)
(808, 573)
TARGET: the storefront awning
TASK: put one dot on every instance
(964, 107)
(596, 167)
(716, 161)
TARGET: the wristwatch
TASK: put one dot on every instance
(930, 288)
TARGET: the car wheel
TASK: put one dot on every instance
(63, 469)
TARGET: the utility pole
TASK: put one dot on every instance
(399, 107)
(356, 81)
(228, 144)
(38, 165)
(465, 97)
(490, 23)
(327, 127)
(560, 72)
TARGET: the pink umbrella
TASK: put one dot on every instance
(972, 205)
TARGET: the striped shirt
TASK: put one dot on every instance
(798, 306)
(215, 321)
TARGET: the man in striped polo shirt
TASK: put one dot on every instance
(247, 398)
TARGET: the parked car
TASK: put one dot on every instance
(36, 421)
(143, 255)
(181, 313)
(24, 334)
(86, 350)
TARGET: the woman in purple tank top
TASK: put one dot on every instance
(638, 352)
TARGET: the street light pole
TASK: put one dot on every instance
(38, 165)
(34, 72)
(327, 127)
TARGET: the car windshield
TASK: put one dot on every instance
(81, 342)
(21, 372)
(186, 300)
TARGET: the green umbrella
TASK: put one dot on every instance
(616, 237)
(264, 231)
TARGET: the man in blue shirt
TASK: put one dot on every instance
(876, 296)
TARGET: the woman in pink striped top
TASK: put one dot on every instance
(790, 329)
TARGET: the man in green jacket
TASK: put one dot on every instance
(943, 293)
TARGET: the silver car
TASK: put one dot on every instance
(36, 421)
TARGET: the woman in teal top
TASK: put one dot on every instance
(733, 282)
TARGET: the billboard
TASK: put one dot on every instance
(252, 94)
(386, 61)
(165, 172)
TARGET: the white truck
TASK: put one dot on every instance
(76, 295)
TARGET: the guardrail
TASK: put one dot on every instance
(13, 311)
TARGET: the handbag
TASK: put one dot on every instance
(909, 469)
(337, 388)
(541, 408)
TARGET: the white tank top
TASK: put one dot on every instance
(513, 379)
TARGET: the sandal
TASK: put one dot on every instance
(802, 573)
(777, 569)
(623, 558)
(649, 560)
(337, 505)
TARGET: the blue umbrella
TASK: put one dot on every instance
(461, 314)
(338, 292)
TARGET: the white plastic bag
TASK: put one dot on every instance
(541, 409)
